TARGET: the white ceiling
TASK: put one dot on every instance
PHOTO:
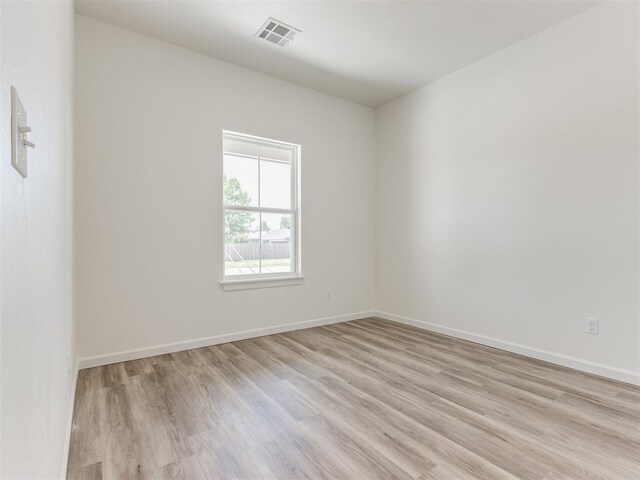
(368, 52)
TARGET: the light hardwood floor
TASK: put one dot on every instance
(366, 399)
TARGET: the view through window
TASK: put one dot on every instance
(260, 207)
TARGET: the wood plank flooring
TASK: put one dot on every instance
(368, 399)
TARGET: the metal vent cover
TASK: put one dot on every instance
(277, 32)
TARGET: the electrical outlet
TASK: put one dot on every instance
(329, 296)
(592, 325)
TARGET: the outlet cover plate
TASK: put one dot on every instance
(592, 325)
(18, 149)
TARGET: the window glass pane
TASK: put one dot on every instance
(258, 176)
(277, 250)
(275, 184)
(240, 181)
(241, 243)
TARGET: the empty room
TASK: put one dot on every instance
(313, 239)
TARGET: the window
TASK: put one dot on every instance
(261, 214)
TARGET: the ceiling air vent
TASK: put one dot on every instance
(277, 32)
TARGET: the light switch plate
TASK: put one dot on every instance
(18, 149)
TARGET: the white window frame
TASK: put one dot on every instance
(263, 280)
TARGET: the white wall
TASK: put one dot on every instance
(149, 119)
(36, 41)
(507, 194)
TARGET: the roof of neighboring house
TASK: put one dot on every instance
(280, 234)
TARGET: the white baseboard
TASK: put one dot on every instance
(99, 360)
(67, 439)
(627, 376)
(622, 375)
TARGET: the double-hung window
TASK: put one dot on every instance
(261, 209)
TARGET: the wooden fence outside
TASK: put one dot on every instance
(251, 250)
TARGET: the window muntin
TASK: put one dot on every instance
(261, 214)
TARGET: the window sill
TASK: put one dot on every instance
(251, 283)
